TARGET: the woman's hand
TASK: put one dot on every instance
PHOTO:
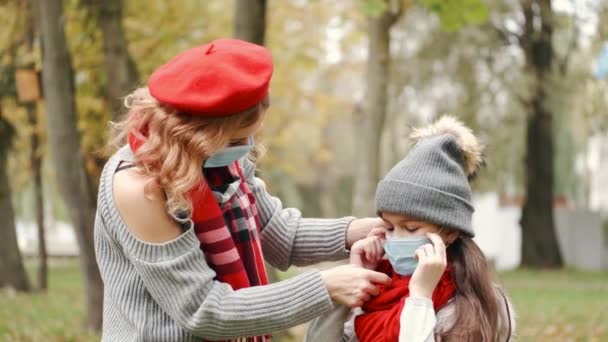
(432, 262)
(368, 252)
(360, 228)
(351, 285)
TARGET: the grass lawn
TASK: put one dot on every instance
(54, 316)
(566, 305)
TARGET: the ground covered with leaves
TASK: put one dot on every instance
(567, 305)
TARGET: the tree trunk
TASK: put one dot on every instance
(36, 162)
(369, 119)
(12, 271)
(602, 30)
(328, 183)
(120, 68)
(539, 240)
(36, 165)
(64, 140)
(250, 21)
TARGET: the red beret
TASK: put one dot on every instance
(221, 78)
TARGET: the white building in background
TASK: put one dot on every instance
(60, 239)
(497, 231)
(597, 165)
(579, 232)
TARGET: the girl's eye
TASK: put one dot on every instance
(237, 142)
(412, 229)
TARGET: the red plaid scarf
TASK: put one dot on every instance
(229, 231)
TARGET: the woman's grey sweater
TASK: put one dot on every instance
(167, 292)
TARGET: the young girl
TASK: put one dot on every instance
(441, 285)
(183, 224)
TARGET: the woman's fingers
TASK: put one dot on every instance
(351, 285)
(372, 290)
(377, 277)
(364, 296)
(368, 286)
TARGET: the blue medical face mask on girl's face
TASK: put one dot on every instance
(229, 155)
(401, 253)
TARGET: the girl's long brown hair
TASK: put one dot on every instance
(176, 144)
(476, 306)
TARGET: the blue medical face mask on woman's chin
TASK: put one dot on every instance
(401, 253)
(229, 155)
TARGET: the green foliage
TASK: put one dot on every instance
(373, 8)
(7, 80)
(308, 131)
(7, 132)
(306, 95)
(10, 22)
(455, 14)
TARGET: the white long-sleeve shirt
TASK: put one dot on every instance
(417, 320)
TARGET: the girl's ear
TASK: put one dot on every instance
(451, 236)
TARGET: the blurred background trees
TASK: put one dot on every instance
(351, 80)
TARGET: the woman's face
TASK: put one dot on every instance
(241, 136)
(401, 226)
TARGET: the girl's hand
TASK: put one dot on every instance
(368, 252)
(359, 229)
(432, 262)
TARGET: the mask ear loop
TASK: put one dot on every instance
(439, 233)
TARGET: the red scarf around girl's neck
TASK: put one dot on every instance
(380, 320)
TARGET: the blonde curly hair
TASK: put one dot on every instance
(176, 144)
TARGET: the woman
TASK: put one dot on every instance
(183, 224)
(442, 289)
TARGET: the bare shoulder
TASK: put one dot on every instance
(141, 204)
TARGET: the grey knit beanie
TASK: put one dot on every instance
(432, 182)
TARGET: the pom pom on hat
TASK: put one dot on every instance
(471, 146)
(224, 77)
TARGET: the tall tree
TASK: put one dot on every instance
(36, 166)
(370, 117)
(36, 158)
(12, 271)
(539, 241)
(250, 20)
(121, 70)
(64, 140)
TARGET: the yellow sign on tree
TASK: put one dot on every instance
(28, 85)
